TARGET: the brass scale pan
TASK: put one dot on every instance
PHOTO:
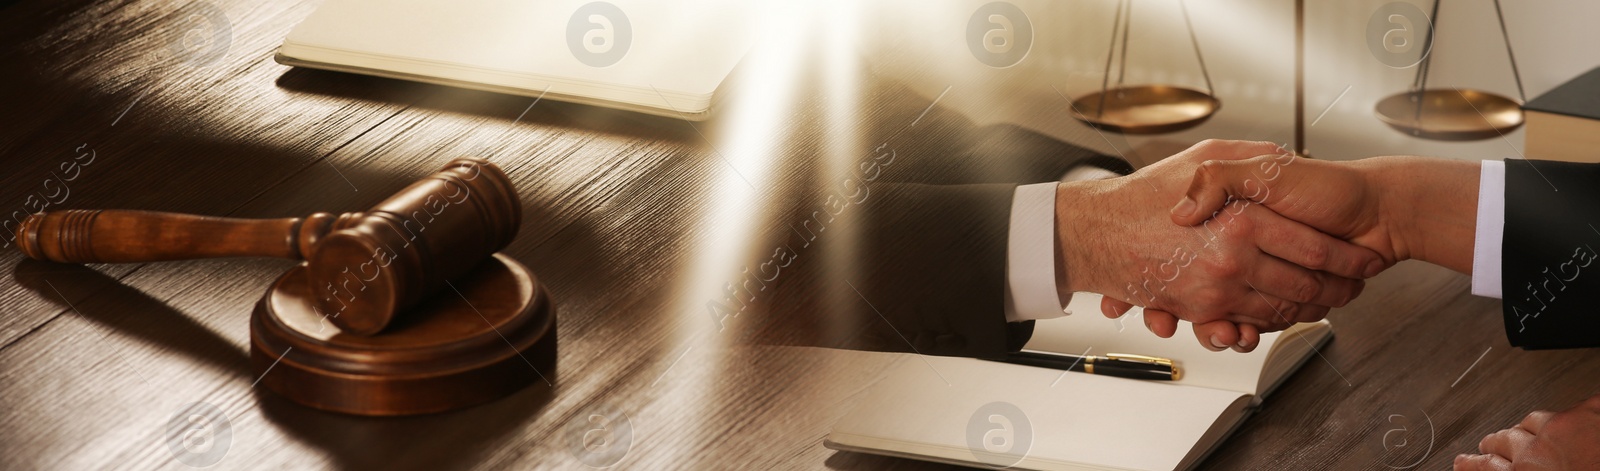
(1145, 109)
(1451, 114)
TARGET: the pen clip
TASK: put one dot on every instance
(1142, 359)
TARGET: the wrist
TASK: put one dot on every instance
(1429, 208)
(1075, 234)
(1395, 202)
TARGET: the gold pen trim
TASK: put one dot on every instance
(1177, 373)
(1141, 359)
(1088, 365)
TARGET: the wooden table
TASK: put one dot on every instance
(625, 215)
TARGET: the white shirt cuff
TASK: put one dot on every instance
(1031, 252)
(1031, 255)
(1486, 246)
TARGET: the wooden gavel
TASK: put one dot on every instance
(362, 267)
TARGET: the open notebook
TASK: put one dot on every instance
(663, 58)
(924, 408)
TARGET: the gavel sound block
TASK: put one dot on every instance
(452, 351)
(365, 325)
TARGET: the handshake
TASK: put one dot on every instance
(1241, 238)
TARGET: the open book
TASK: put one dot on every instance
(941, 408)
(663, 58)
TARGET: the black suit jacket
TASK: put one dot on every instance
(1549, 278)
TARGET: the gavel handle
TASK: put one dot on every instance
(116, 236)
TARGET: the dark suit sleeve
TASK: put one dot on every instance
(1000, 153)
(939, 250)
(1549, 279)
(933, 261)
(926, 261)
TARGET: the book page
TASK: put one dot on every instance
(1088, 330)
(925, 408)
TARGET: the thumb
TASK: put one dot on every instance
(1208, 191)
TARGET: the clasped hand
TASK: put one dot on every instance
(1277, 239)
(1298, 234)
(1235, 269)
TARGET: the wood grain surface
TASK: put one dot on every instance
(624, 219)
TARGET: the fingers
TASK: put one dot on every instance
(1482, 463)
(1297, 284)
(1213, 182)
(1271, 313)
(1113, 308)
(1161, 323)
(1217, 336)
(1249, 337)
(1307, 247)
(1535, 421)
(1589, 406)
(1311, 313)
(1508, 443)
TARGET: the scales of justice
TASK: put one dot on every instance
(1448, 114)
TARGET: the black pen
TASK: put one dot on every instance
(1120, 365)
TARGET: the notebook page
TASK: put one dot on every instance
(1086, 328)
(1083, 421)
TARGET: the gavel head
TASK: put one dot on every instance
(377, 263)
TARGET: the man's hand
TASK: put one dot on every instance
(1400, 207)
(1248, 266)
(1567, 440)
